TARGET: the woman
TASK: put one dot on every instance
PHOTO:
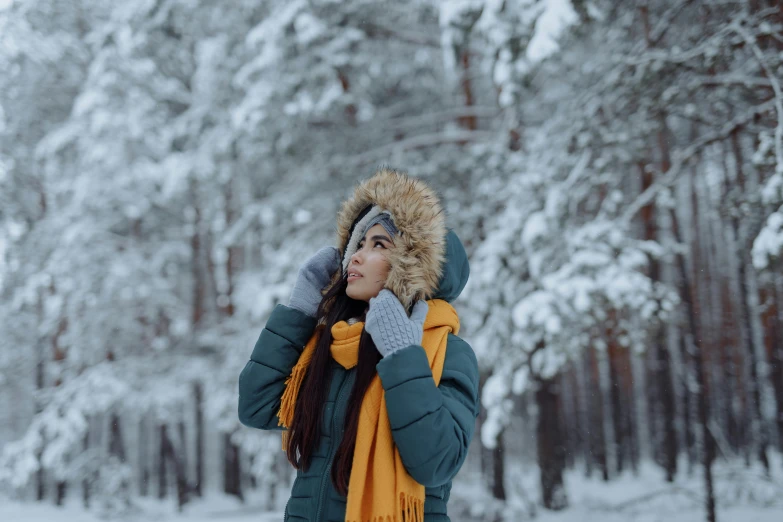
(363, 369)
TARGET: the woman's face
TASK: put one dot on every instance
(369, 267)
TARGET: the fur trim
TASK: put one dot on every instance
(419, 250)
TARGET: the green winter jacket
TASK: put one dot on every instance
(432, 426)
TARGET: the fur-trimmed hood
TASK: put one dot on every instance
(427, 260)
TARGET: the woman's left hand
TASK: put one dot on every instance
(390, 327)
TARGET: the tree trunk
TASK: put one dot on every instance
(169, 453)
(200, 449)
(162, 475)
(662, 394)
(499, 468)
(60, 495)
(621, 391)
(729, 388)
(86, 478)
(572, 410)
(485, 453)
(666, 394)
(40, 382)
(144, 457)
(692, 304)
(234, 253)
(777, 279)
(773, 345)
(58, 355)
(597, 437)
(620, 441)
(180, 465)
(116, 445)
(468, 122)
(584, 392)
(744, 242)
(197, 306)
(232, 483)
(687, 403)
(550, 442)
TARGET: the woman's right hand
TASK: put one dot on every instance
(313, 276)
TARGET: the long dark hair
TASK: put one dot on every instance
(304, 431)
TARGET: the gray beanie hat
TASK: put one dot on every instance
(373, 217)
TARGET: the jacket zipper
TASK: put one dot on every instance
(328, 473)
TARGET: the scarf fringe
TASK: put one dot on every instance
(292, 385)
(411, 510)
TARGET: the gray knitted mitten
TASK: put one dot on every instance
(389, 325)
(313, 276)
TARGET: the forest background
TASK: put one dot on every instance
(613, 167)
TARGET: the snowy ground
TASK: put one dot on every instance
(743, 495)
(212, 509)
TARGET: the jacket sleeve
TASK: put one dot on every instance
(262, 381)
(432, 426)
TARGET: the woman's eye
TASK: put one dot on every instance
(361, 245)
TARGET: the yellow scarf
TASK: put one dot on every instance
(380, 488)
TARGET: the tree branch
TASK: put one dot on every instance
(730, 79)
(417, 142)
(751, 42)
(682, 157)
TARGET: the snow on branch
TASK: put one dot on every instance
(682, 157)
(751, 42)
(416, 142)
